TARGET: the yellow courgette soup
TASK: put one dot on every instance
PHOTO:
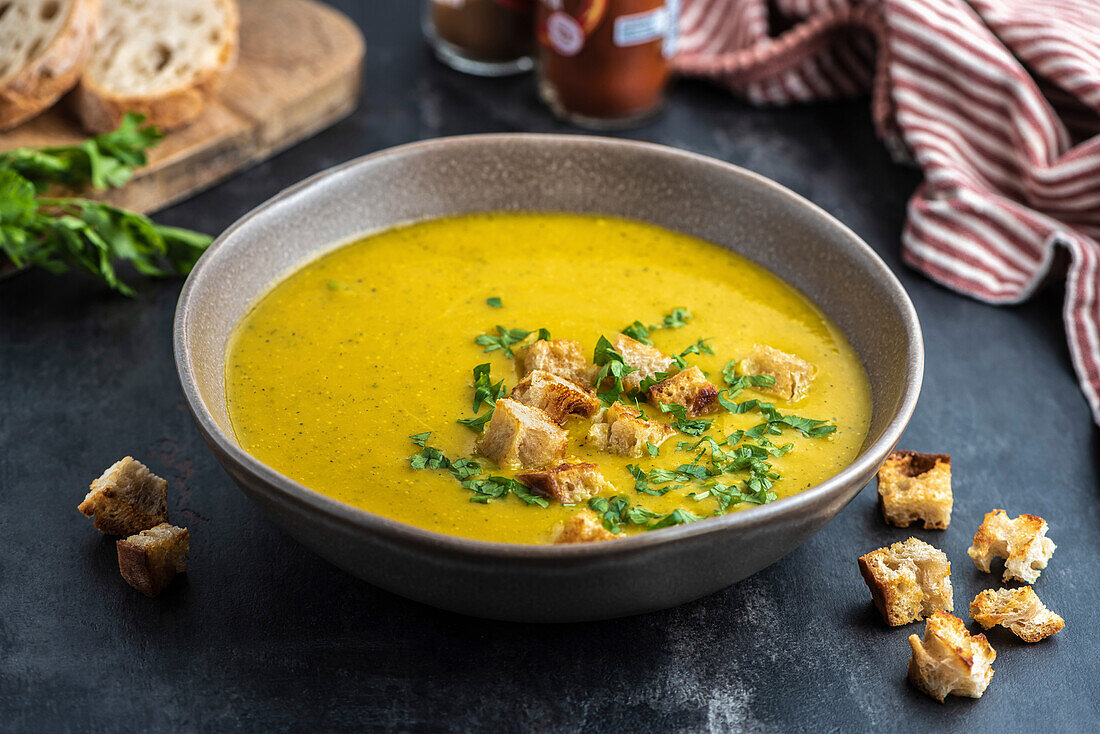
(544, 377)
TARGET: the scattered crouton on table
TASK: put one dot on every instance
(908, 581)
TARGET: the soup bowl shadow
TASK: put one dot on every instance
(689, 193)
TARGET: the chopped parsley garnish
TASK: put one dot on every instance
(640, 332)
(611, 364)
(692, 427)
(492, 488)
(737, 382)
(653, 450)
(494, 302)
(464, 471)
(676, 517)
(676, 319)
(648, 382)
(484, 392)
(774, 421)
(699, 347)
(505, 339)
(477, 424)
(618, 511)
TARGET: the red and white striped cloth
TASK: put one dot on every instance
(998, 101)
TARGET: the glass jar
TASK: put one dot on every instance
(605, 63)
(482, 37)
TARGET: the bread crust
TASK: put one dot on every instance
(100, 110)
(35, 87)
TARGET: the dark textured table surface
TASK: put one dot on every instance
(262, 635)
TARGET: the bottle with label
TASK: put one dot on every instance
(483, 37)
(605, 63)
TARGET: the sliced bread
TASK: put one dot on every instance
(165, 59)
(44, 45)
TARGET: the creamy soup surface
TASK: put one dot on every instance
(335, 368)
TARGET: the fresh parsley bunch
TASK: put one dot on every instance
(41, 225)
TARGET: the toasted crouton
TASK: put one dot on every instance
(521, 437)
(949, 660)
(1017, 609)
(646, 360)
(908, 581)
(561, 357)
(152, 558)
(688, 388)
(625, 432)
(915, 486)
(566, 483)
(560, 398)
(792, 375)
(583, 527)
(127, 499)
(1021, 542)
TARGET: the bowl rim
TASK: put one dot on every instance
(338, 512)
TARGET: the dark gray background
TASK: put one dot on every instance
(261, 634)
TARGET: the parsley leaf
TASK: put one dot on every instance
(638, 332)
(676, 517)
(674, 320)
(699, 347)
(505, 339)
(104, 161)
(464, 471)
(478, 423)
(484, 390)
(497, 487)
(692, 427)
(494, 302)
(612, 365)
(62, 233)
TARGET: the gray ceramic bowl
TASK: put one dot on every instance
(701, 196)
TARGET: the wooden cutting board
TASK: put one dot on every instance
(298, 72)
